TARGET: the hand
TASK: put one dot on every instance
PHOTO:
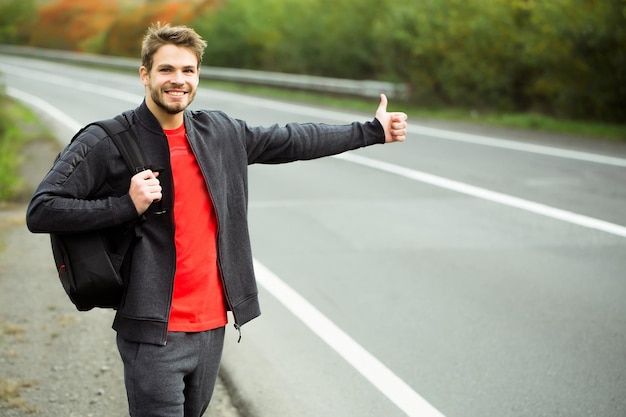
(144, 189)
(393, 123)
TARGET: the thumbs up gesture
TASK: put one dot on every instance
(394, 123)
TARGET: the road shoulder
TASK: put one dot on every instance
(54, 360)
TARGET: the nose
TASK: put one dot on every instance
(177, 77)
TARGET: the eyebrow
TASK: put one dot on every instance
(173, 66)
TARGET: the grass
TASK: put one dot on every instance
(10, 391)
(22, 134)
(10, 143)
(532, 121)
(18, 126)
(527, 121)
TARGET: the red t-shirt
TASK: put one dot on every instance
(198, 303)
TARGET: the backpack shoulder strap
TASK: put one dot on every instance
(126, 143)
(128, 146)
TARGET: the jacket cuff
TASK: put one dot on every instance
(377, 131)
(123, 209)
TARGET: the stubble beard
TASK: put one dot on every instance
(175, 108)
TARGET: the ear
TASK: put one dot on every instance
(144, 75)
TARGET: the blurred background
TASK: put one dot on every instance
(560, 58)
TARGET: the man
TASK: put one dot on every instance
(193, 261)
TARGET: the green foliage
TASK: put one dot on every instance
(19, 126)
(126, 32)
(454, 52)
(9, 150)
(564, 58)
(236, 33)
(16, 17)
(579, 50)
(316, 37)
(9, 178)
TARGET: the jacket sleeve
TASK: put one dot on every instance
(86, 189)
(297, 141)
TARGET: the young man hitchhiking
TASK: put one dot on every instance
(193, 261)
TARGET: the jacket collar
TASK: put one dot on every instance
(149, 121)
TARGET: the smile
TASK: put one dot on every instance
(176, 93)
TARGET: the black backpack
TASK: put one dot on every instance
(89, 264)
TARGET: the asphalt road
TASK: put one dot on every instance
(476, 275)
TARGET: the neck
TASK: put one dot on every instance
(166, 120)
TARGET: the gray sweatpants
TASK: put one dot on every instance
(175, 380)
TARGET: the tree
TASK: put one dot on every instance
(125, 33)
(72, 25)
(16, 17)
(579, 50)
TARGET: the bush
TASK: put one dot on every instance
(578, 50)
(455, 52)
(62, 25)
(16, 18)
(125, 34)
(560, 57)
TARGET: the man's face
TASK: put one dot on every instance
(172, 82)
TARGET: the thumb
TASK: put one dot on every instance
(382, 107)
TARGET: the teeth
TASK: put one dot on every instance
(176, 93)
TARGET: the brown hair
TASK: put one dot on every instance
(160, 34)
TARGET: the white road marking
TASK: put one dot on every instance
(72, 84)
(538, 208)
(394, 388)
(44, 107)
(517, 146)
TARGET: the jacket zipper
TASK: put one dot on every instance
(169, 304)
(217, 236)
(173, 274)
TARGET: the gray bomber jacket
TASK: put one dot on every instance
(87, 189)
